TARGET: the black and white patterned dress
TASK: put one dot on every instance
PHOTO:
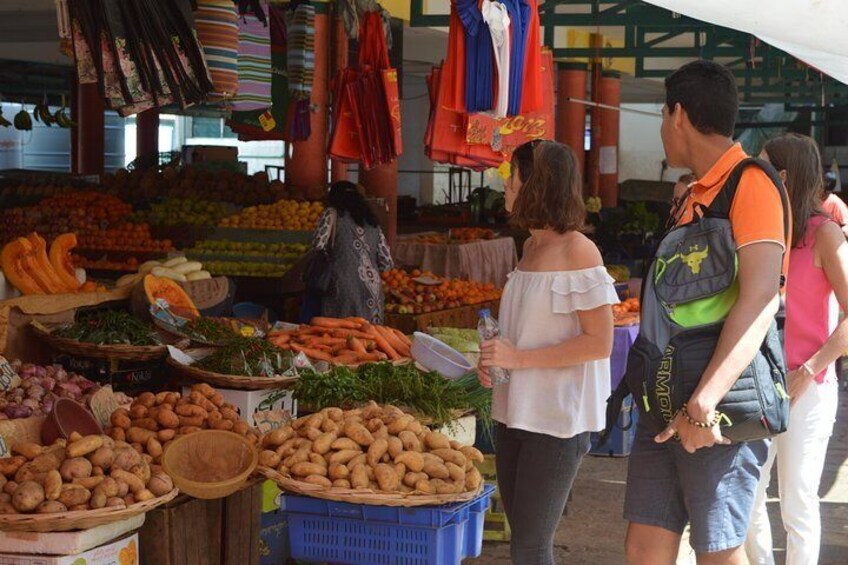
(359, 254)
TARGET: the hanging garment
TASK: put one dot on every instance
(218, 32)
(495, 14)
(352, 10)
(300, 54)
(452, 75)
(532, 96)
(254, 64)
(519, 13)
(478, 57)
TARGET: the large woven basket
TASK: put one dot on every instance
(95, 351)
(240, 382)
(363, 496)
(80, 519)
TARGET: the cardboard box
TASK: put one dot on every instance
(264, 409)
(463, 430)
(67, 543)
(274, 539)
(121, 551)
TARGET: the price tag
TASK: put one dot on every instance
(4, 449)
(268, 420)
(267, 121)
(9, 379)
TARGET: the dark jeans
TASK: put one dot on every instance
(535, 474)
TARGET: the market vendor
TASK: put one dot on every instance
(356, 251)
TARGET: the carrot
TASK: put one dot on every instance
(280, 339)
(390, 337)
(384, 345)
(352, 333)
(314, 340)
(312, 353)
(346, 359)
(360, 321)
(334, 323)
(357, 346)
(402, 336)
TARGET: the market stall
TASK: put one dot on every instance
(473, 254)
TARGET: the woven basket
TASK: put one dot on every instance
(240, 382)
(95, 351)
(175, 333)
(364, 496)
(80, 519)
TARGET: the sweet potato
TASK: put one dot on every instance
(10, 465)
(323, 442)
(338, 471)
(413, 460)
(410, 441)
(386, 478)
(450, 456)
(436, 440)
(269, 458)
(168, 419)
(319, 480)
(411, 478)
(304, 469)
(376, 451)
(344, 456)
(344, 443)
(436, 470)
(74, 495)
(341, 483)
(51, 507)
(89, 482)
(277, 437)
(473, 479)
(359, 477)
(358, 433)
(27, 449)
(133, 482)
(139, 435)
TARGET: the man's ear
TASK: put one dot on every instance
(679, 117)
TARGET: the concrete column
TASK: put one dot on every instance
(381, 182)
(610, 95)
(90, 134)
(147, 133)
(571, 116)
(338, 169)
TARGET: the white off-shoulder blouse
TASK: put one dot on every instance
(539, 309)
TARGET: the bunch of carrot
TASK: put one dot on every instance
(344, 341)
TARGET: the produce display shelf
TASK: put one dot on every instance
(260, 236)
(323, 530)
(463, 317)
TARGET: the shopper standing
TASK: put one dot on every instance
(814, 337)
(687, 472)
(556, 338)
(357, 252)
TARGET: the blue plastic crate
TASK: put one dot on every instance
(620, 441)
(338, 532)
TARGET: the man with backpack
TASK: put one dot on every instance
(707, 370)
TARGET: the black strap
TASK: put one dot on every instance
(614, 403)
(722, 203)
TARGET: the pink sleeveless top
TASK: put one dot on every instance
(812, 311)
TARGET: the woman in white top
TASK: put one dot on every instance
(556, 339)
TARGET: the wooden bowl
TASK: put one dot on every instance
(210, 464)
(67, 417)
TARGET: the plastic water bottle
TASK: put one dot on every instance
(488, 329)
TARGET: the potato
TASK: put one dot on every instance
(133, 482)
(98, 500)
(450, 456)
(473, 479)
(115, 502)
(410, 441)
(191, 421)
(138, 411)
(142, 471)
(108, 487)
(50, 507)
(472, 453)
(358, 433)
(120, 418)
(414, 426)
(28, 496)
(103, 457)
(123, 487)
(225, 425)
(344, 456)
(74, 495)
(89, 482)
(413, 460)
(374, 424)
(387, 478)
(318, 460)
(154, 448)
(74, 436)
(10, 465)
(277, 437)
(160, 484)
(457, 473)
(269, 458)
(300, 456)
(28, 472)
(27, 449)
(10, 487)
(338, 471)
(411, 478)
(372, 410)
(186, 430)
(335, 414)
(330, 426)
(168, 419)
(166, 435)
(143, 495)
(75, 468)
(376, 451)
(312, 433)
(229, 414)
(436, 440)
(139, 435)
(436, 470)
(341, 483)
(126, 458)
(400, 470)
(399, 424)
(305, 469)
(344, 443)
(442, 487)
(395, 446)
(129, 500)
(424, 486)
(322, 443)
(319, 480)
(118, 434)
(50, 459)
(359, 477)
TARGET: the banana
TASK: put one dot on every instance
(3, 121)
(187, 267)
(170, 263)
(41, 113)
(22, 120)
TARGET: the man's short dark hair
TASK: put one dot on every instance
(707, 91)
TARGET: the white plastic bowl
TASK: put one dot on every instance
(435, 355)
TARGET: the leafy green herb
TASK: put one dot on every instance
(426, 393)
(249, 356)
(110, 327)
(209, 330)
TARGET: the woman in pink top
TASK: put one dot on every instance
(817, 286)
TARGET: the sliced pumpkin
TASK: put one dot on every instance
(12, 261)
(39, 249)
(156, 288)
(60, 259)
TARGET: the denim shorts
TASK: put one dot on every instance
(713, 489)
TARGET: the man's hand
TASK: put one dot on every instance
(799, 381)
(692, 438)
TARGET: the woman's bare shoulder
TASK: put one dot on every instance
(582, 253)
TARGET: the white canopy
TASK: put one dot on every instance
(814, 31)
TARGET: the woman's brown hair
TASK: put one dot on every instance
(798, 155)
(552, 198)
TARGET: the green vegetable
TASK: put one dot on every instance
(110, 327)
(209, 330)
(248, 356)
(426, 393)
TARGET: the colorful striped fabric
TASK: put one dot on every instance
(301, 50)
(254, 63)
(216, 22)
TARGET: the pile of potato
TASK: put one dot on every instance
(155, 419)
(82, 473)
(380, 448)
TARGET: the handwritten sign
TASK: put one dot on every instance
(104, 402)
(269, 420)
(9, 379)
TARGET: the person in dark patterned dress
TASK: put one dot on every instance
(350, 232)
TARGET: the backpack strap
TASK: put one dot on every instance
(721, 205)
